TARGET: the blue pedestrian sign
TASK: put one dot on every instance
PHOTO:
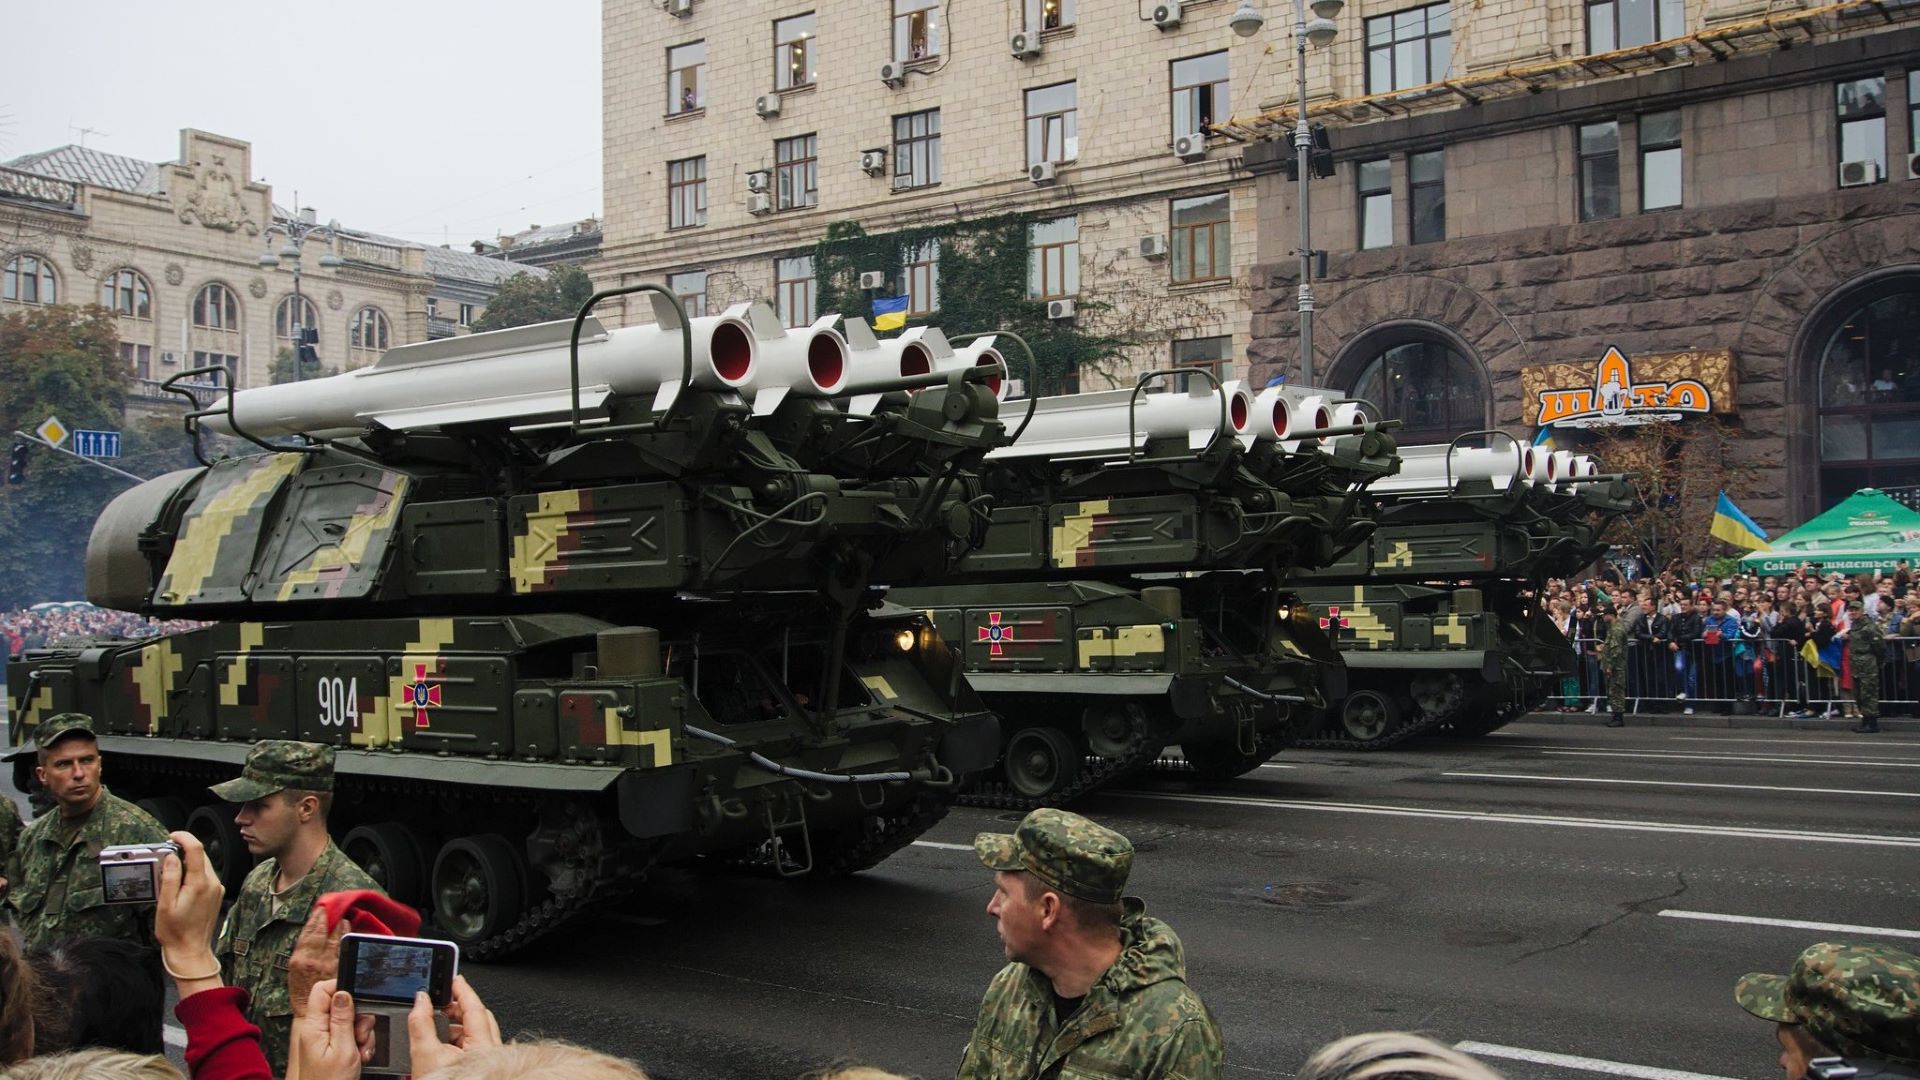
(96, 444)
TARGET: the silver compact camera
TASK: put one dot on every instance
(130, 873)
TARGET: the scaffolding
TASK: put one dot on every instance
(1784, 30)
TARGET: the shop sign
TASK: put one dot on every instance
(1619, 391)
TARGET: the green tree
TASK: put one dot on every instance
(282, 370)
(525, 298)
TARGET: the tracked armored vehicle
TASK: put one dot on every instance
(1435, 614)
(565, 608)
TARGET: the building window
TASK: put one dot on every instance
(916, 29)
(1053, 259)
(1599, 171)
(230, 365)
(1409, 48)
(1869, 387)
(1438, 392)
(370, 334)
(1213, 354)
(686, 193)
(1623, 24)
(290, 313)
(1049, 14)
(30, 280)
(216, 308)
(916, 149)
(1427, 194)
(1913, 112)
(466, 314)
(691, 288)
(1053, 124)
(793, 290)
(796, 173)
(138, 358)
(433, 307)
(1201, 240)
(1376, 203)
(686, 78)
(1660, 160)
(1199, 93)
(1862, 107)
(921, 269)
(125, 293)
(793, 60)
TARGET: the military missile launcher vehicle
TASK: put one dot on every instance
(563, 607)
(1434, 614)
(1124, 598)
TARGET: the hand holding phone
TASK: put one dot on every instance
(384, 975)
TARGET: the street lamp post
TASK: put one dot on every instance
(296, 229)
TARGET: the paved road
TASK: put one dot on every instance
(1548, 890)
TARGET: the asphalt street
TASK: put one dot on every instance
(1547, 890)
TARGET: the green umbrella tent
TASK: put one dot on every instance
(1868, 531)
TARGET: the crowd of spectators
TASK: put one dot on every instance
(1738, 642)
(44, 624)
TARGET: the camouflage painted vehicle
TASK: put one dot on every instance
(562, 628)
(1124, 598)
(1434, 614)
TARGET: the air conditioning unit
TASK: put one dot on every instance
(873, 162)
(1859, 173)
(680, 7)
(1913, 166)
(759, 204)
(767, 105)
(1024, 45)
(169, 357)
(1190, 147)
(1166, 16)
(1153, 247)
(873, 279)
(759, 180)
(1059, 309)
(1043, 173)
(894, 73)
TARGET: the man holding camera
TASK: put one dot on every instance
(1844, 1011)
(53, 883)
(285, 791)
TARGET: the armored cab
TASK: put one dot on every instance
(562, 604)
(1435, 615)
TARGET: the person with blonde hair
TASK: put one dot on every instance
(1397, 1055)
(94, 1065)
(546, 1059)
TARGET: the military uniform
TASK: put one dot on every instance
(1860, 1001)
(10, 826)
(1138, 1020)
(256, 941)
(1865, 641)
(1613, 660)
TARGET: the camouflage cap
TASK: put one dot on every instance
(1066, 851)
(50, 731)
(277, 765)
(1855, 999)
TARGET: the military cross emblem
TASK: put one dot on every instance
(1334, 619)
(423, 695)
(995, 633)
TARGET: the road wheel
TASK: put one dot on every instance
(170, 812)
(1041, 762)
(1438, 693)
(479, 888)
(393, 855)
(1368, 715)
(214, 827)
(1113, 728)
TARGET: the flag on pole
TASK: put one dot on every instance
(1736, 528)
(1543, 438)
(889, 312)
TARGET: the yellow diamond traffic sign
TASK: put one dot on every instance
(52, 431)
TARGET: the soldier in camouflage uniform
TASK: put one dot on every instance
(1865, 641)
(1613, 661)
(1857, 1001)
(10, 826)
(52, 881)
(285, 791)
(1095, 986)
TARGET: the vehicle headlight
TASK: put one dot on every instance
(905, 639)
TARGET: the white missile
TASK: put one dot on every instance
(811, 363)
(980, 352)
(873, 363)
(1425, 470)
(1095, 424)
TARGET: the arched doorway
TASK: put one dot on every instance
(1866, 360)
(1420, 374)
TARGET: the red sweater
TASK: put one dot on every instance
(221, 1044)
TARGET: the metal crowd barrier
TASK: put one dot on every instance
(1764, 676)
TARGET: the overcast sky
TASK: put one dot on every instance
(435, 122)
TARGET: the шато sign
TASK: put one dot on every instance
(1617, 391)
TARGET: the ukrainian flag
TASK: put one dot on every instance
(1736, 528)
(1544, 438)
(889, 312)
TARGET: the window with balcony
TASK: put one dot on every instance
(1053, 124)
(126, 294)
(686, 193)
(1599, 150)
(1862, 109)
(1053, 259)
(916, 149)
(1427, 196)
(691, 287)
(229, 375)
(1199, 93)
(920, 269)
(30, 280)
(1660, 160)
(793, 290)
(1375, 180)
(916, 29)
(1409, 48)
(138, 358)
(686, 78)
(215, 307)
(1623, 24)
(1049, 14)
(793, 54)
(1201, 238)
(796, 177)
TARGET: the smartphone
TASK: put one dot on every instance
(383, 974)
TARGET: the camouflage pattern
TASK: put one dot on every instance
(1613, 656)
(255, 944)
(1854, 999)
(1070, 853)
(52, 730)
(1140, 1020)
(53, 880)
(10, 826)
(279, 764)
(1865, 642)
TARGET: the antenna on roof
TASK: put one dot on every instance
(86, 131)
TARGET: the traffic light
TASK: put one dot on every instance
(17, 462)
(309, 338)
(1319, 157)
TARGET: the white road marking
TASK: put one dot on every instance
(1584, 1064)
(1858, 745)
(941, 846)
(1680, 783)
(1613, 824)
(174, 1036)
(1778, 759)
(1277, 765)
(1855, 742)
(1792, 924)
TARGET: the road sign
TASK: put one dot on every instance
(96, 444)
(52, 431)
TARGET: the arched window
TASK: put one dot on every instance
(216, 308)
(291, 313)
(125, 293)
(370, 331)
(30, 280)
(1419, 377)
(1869, 364)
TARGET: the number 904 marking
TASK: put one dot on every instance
(340, 703)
